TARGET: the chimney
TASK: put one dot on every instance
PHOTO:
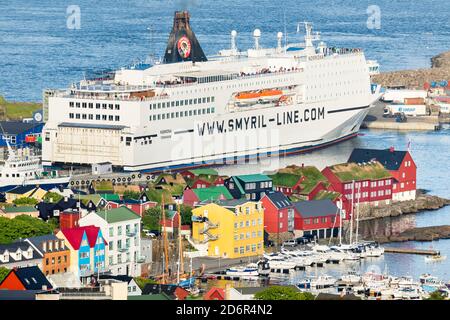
(183, 44)
(66, 199)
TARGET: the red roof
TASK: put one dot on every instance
(75, 235)
(215, 294)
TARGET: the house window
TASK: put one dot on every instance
(316, 220)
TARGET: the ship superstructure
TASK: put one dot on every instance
(192, 110)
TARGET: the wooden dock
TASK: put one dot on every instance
(411, 251)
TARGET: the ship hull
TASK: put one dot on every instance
(44, 184)
(190, 151)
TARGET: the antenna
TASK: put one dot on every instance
(233, 40)
(256, 36)
(285, 31)
(280, 38)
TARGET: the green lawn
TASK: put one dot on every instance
(18, 110)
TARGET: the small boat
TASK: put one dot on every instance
(187, 283)
(431, 283)
(435, 258)
(249, 271)
(351, 277)
(321, 282)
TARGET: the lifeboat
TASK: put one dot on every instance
(271, 95)
(248, 97)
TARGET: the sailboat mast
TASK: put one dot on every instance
(180, 242)
(357, 213)
(351, 212)
(340, 223)
(166, 253)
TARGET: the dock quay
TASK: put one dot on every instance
(411, 251)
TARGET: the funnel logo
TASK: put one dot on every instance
(184, 47)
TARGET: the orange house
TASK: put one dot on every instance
(56, 255)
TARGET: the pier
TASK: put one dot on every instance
(411, 251)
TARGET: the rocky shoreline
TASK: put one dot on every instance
(423, 202)
(418, 234)
(440, 70)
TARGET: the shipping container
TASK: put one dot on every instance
(409, 110)
(409, 101)
(399, 95)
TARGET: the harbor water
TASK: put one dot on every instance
(41, 45)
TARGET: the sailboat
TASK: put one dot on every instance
(434, 258)
(183, 279)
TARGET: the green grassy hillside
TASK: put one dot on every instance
(17, 110)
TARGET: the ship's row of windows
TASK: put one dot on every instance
(181, 114)
(90, 105)
(180, 103)
(85, 116)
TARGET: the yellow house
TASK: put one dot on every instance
(231, 228)
(25, 192)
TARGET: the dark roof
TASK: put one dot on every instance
(279, 200)
(18, 127)
(46, 208)
(316, 208)
(123, 278)
(389, 158)
(159, 288)
(39, 240)
(91, 126)
(32, 278)
(12, 247)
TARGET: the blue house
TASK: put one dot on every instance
(87, 251)
(16, 132)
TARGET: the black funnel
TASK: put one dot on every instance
(182, 44)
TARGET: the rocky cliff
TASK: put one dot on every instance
(440, 70)
(422, 202)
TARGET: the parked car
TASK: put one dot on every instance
(290, 243)
(302, 240)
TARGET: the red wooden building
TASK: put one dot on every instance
(317, 217)
(368, 183)
(278, 213)
(69, 219)
(400, 165)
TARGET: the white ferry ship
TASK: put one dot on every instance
(190, 110)
(24, 169)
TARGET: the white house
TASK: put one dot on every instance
(121, 227)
